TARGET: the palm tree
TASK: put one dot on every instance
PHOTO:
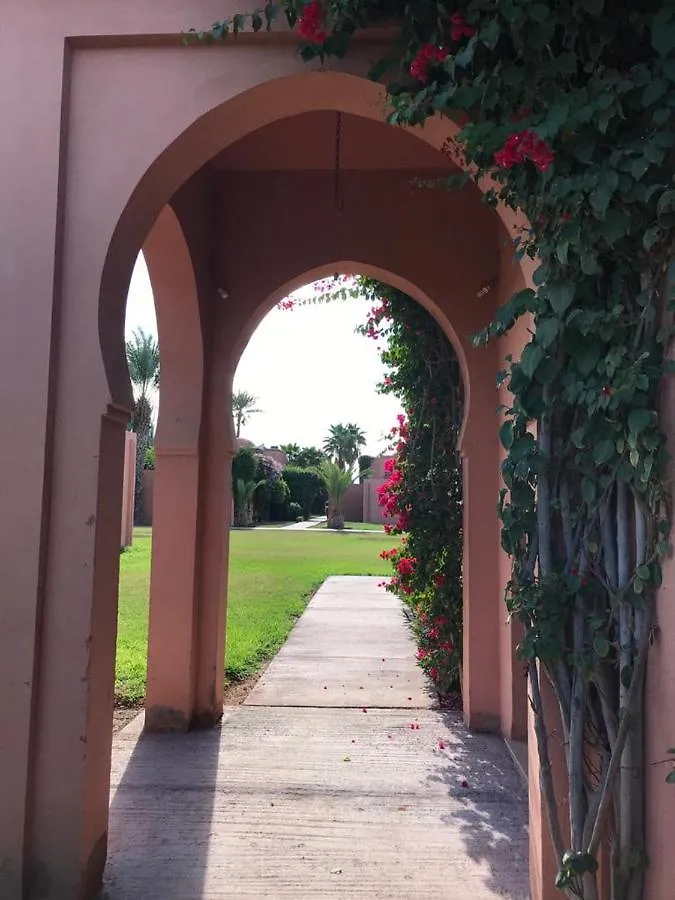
(143, 363)
(357, 439)
(243, 501)
(243, 407)
(338, 481)
(343, 444)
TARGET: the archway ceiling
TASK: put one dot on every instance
(307, 142)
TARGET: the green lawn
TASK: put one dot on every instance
(272, 576)
(356, 526)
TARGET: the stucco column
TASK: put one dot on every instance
(483, 604)
(214, 525)
(173, 594)
(172, 639)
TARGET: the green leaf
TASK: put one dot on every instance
(638, 167)
(546, 370)
(585, 352)
(588, 490)
(656, 88)
(651, 237)
(489, 33)
(638, 420)
(506, 435)
(601, 646)
(615, 226)
(600, 198)
(643, 573)
(666, 202)
(547, 330)
(603, 452)
(634, 458)
(532, 356)
(538, 12)
(589, 264)
(561, 295)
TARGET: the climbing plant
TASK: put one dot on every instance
(566, 115)
(422, 495)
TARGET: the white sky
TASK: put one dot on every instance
(306, 366)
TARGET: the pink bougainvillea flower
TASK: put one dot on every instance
(433, 673)
(311, 24)
(428, 55)
(406, 565)
(459, 27)
(522, 146)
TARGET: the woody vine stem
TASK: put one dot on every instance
(569, 111)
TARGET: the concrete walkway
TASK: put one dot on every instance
(318, 786)
(303, 526)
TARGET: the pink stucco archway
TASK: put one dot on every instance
(138, 128)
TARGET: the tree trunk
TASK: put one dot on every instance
(336, 518)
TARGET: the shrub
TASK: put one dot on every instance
(150, 458)
(294, 512)
(244, 466)
(304, 485)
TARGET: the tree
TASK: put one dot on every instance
(243, 407)
(343, 444)
(303, 457)
(243, 502)
(338, 481)
(143, 364)
(305, 486)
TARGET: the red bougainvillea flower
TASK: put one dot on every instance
(406, 565)
(523, 146)
(459, 27)
(565, 217)
(439, 580)
(440, 621)
(311, 23)
(433, 673)
(441, 744)
(432, 634)
(427, 56)
(606, 391)
(388, 529)
(421, 653)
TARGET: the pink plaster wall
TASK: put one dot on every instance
(660, 712)
(353, 503)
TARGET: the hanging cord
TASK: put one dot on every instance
(338, 198)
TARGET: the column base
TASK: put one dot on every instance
(164, 719)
